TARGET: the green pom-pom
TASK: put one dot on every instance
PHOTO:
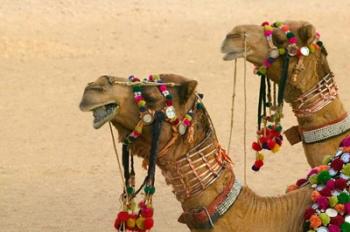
(326, 159)
(346, 169)
(130, 190)
(345, 227)
(313, 179)
(323, 177)
(279, 128)
(343, 198)
(136, 88)
(200, 106)
(306, 226)
(277, 24)
(262, 70)
(290, 35)
(325, 219)
(169, 97)
(150, 190)
(333, 200)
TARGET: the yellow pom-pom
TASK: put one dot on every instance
(141, 103)
(282, 51)
(268, 28)
(131, 222)
(276, 148)
(140, 222)
(260, 156)
(325, 219)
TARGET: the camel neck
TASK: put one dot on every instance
(328, 115)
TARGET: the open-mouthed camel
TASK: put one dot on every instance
(191, 156)
(332, 118)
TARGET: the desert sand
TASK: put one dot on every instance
(57, 173)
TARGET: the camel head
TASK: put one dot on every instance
(110, 99)
(315, 65)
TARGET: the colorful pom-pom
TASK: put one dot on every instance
(337, 220)
(323, 177)
(325, 219)
(308, 213)
(345, 227)
(337, 164)
(343, 198)
(315, 221)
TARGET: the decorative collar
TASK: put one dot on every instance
(206, 217)
(323, 93)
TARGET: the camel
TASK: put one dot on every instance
(110, 99)
(315, 67)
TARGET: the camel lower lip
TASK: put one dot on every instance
(232, 55)
(103, 114)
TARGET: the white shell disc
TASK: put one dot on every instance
(170, 112)
(304, 51)
(331, 212)
(332, 172)
(182, 128)
(347, 218)
(147, 118)
(344, 176)
(322, 229)
(345, 157)
(274, 53)
(339, 152)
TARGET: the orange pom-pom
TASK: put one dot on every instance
(315, 221)
(315, 195)
(339, 208)
(323, 167)
(292, 187)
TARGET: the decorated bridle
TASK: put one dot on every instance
(270, 108)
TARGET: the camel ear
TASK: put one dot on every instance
(186, 89)
(307, 33)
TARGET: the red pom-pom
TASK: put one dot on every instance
(263, 140)
(117, 223)
(123, 216)
(265, 23)
(300, 182)
(148, 223)
(147, 212)
(308, 213)
(271, 144)
(326, 192)
(256, 146)
(142, 204)
(337, 164)
(340, 184)
(259, 163)
(337, 220)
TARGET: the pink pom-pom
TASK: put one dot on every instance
(347, 208)
(318, 35)
(162, 88)
(147, 212)
(323, 202)
(267, 64)
(293, 40)
(333, 228)
(330, 184)
(138, 98)
(345, 142)
(337, 220)
(268, 33)
(326, 192)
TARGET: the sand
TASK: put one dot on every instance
(57, 173)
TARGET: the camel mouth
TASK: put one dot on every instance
(104, 113)
(233, 55)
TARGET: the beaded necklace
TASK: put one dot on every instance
(269, 135)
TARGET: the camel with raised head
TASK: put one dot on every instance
(194, 164)
(326, 125)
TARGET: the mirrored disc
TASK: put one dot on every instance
(347, 218)
(274, 53)
(147, 118)
(182, 129)
(304, 51)
(170, 112)
(345, 157)
(322, 229)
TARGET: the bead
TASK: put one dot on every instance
(147, 212)
(282, 51)
(123, 216)
(131, 223)
(256, 146)
(130, 190)
(255, 168)
(140, 223)
(265, 23)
